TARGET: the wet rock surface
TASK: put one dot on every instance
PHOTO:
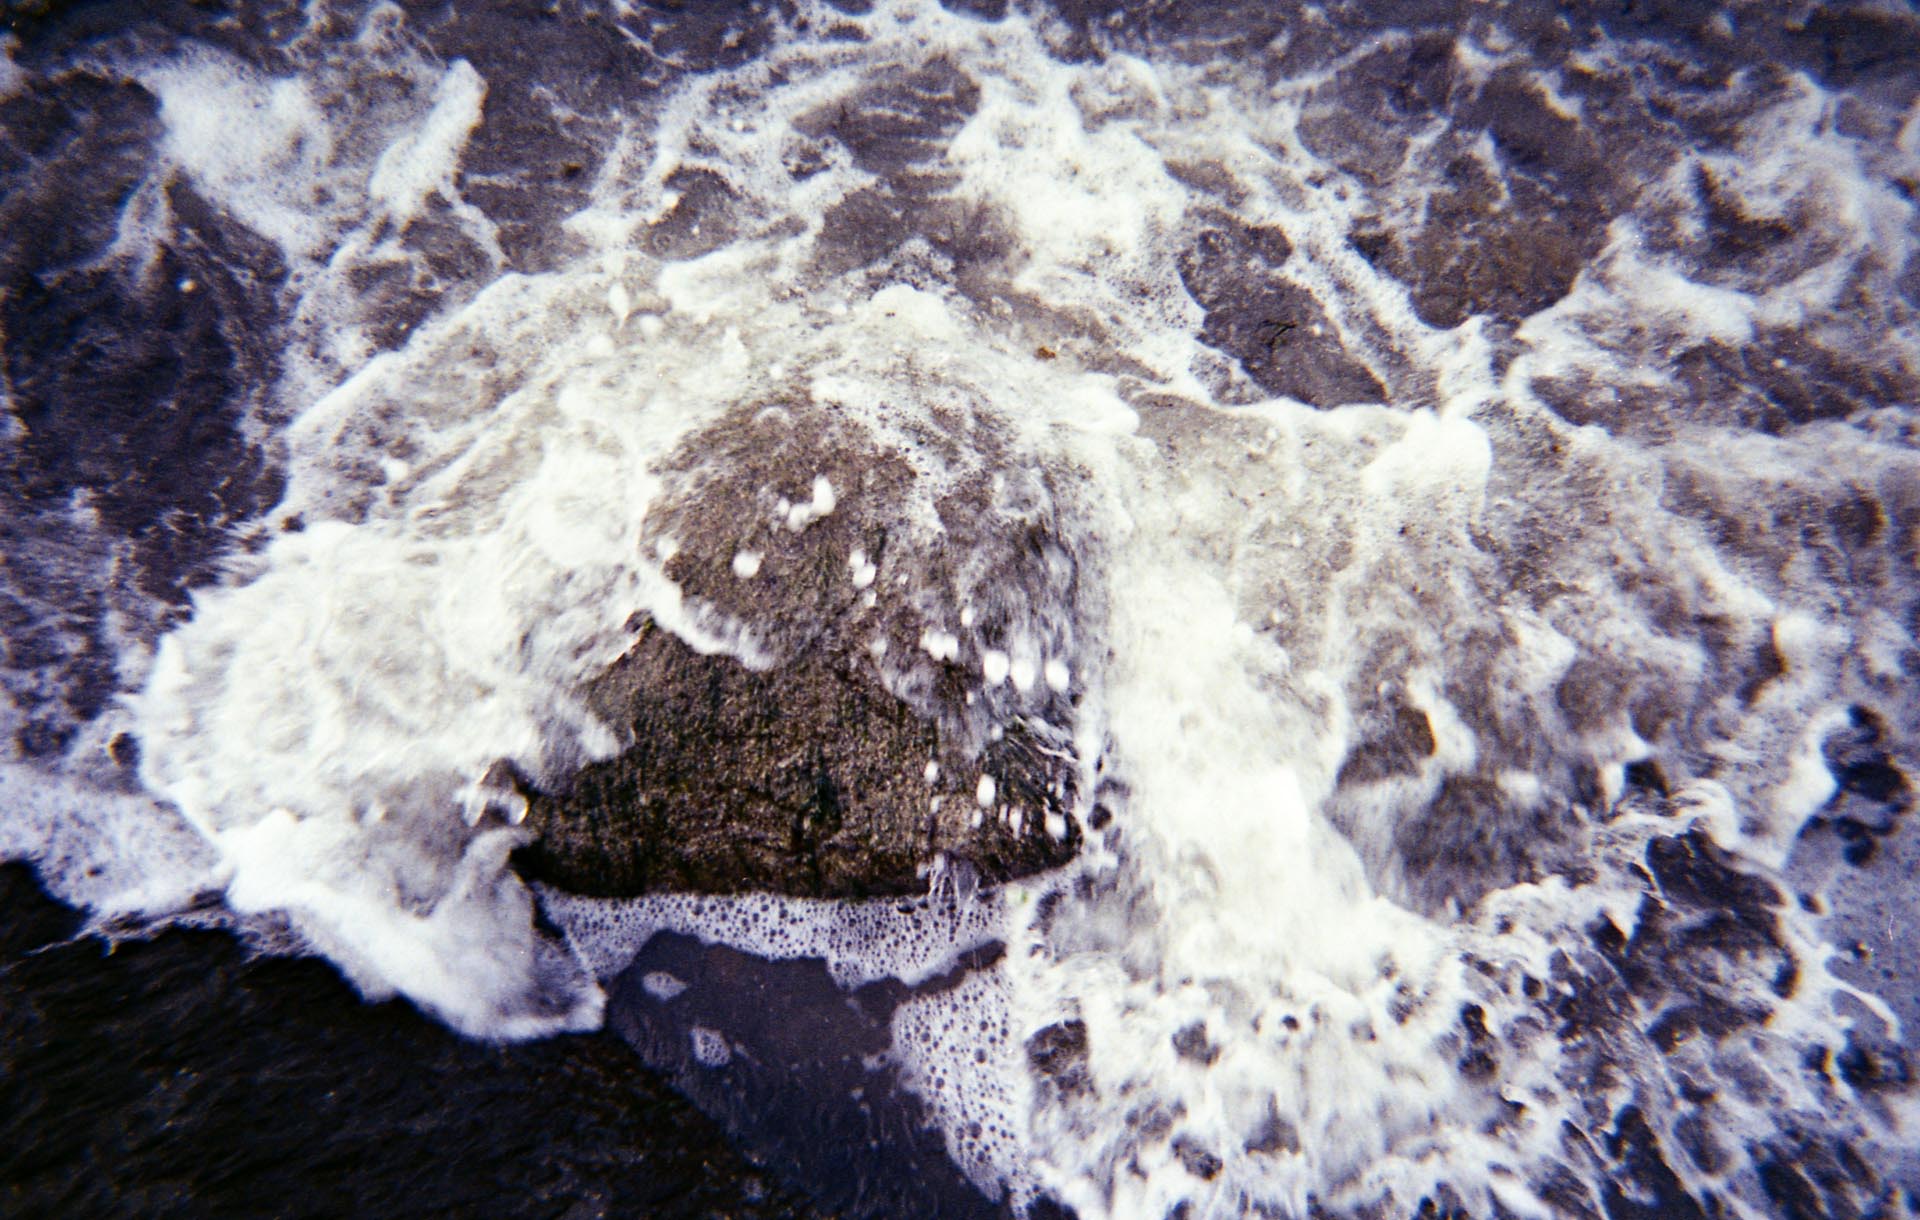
(1278, 332)
(1687, 979)
(904, 694)
(126, 382)
(178, 1076)
(807, 780)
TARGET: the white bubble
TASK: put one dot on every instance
(710, 1047)
(993, 666)
(1022, 671)
(1058, 676)
(662, 986)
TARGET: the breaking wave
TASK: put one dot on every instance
(1441, 489)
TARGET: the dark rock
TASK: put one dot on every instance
(1850, 43)
(1498, 226)
(1442, 1204)
(1643, 1185)
(896, 125)
(1791, 1192)
(180, 1076)
(1479, 1059)
(1474, 837)
(1786, 378)
(1592, 694)
(1646, 775)
(1733, 236)
(1563, 1191)
(1402, 742)
(1276, 330)
(1276, 1135)
(1694, 873)
(1535, 138)
(33, 920)
(900, 118)
(1192, 1044)
(691, 37)
(984, 10)
(1508, 249)
(1873, 793)
(558, 79)
(1694, 1133)
(794, 779)
(1058, 1055)
(133, 377)
(1706, 928)
(1196, 1159)
(848, 758)
(1873, 1064)
(1579, 398)
(699, 222)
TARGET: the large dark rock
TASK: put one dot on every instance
(857, 747)
(182, 1076)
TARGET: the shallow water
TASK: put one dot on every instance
(1440, 483)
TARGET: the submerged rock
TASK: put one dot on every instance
(900, 688)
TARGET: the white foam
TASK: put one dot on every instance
(12, 79)
(710, 1047)
(384, 664)
(422, 163)
(1022, 673)
(262, 146)
(114, 854)
(959, 1052)
(940, 645)
(331, 164)
(863, 571)
(910, 940)
(662, 986)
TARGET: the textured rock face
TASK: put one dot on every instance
(908, 694)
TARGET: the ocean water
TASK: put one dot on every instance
(1445, 477)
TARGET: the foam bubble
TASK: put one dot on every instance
(662, 986)
(994, 666)
(710, 1047)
